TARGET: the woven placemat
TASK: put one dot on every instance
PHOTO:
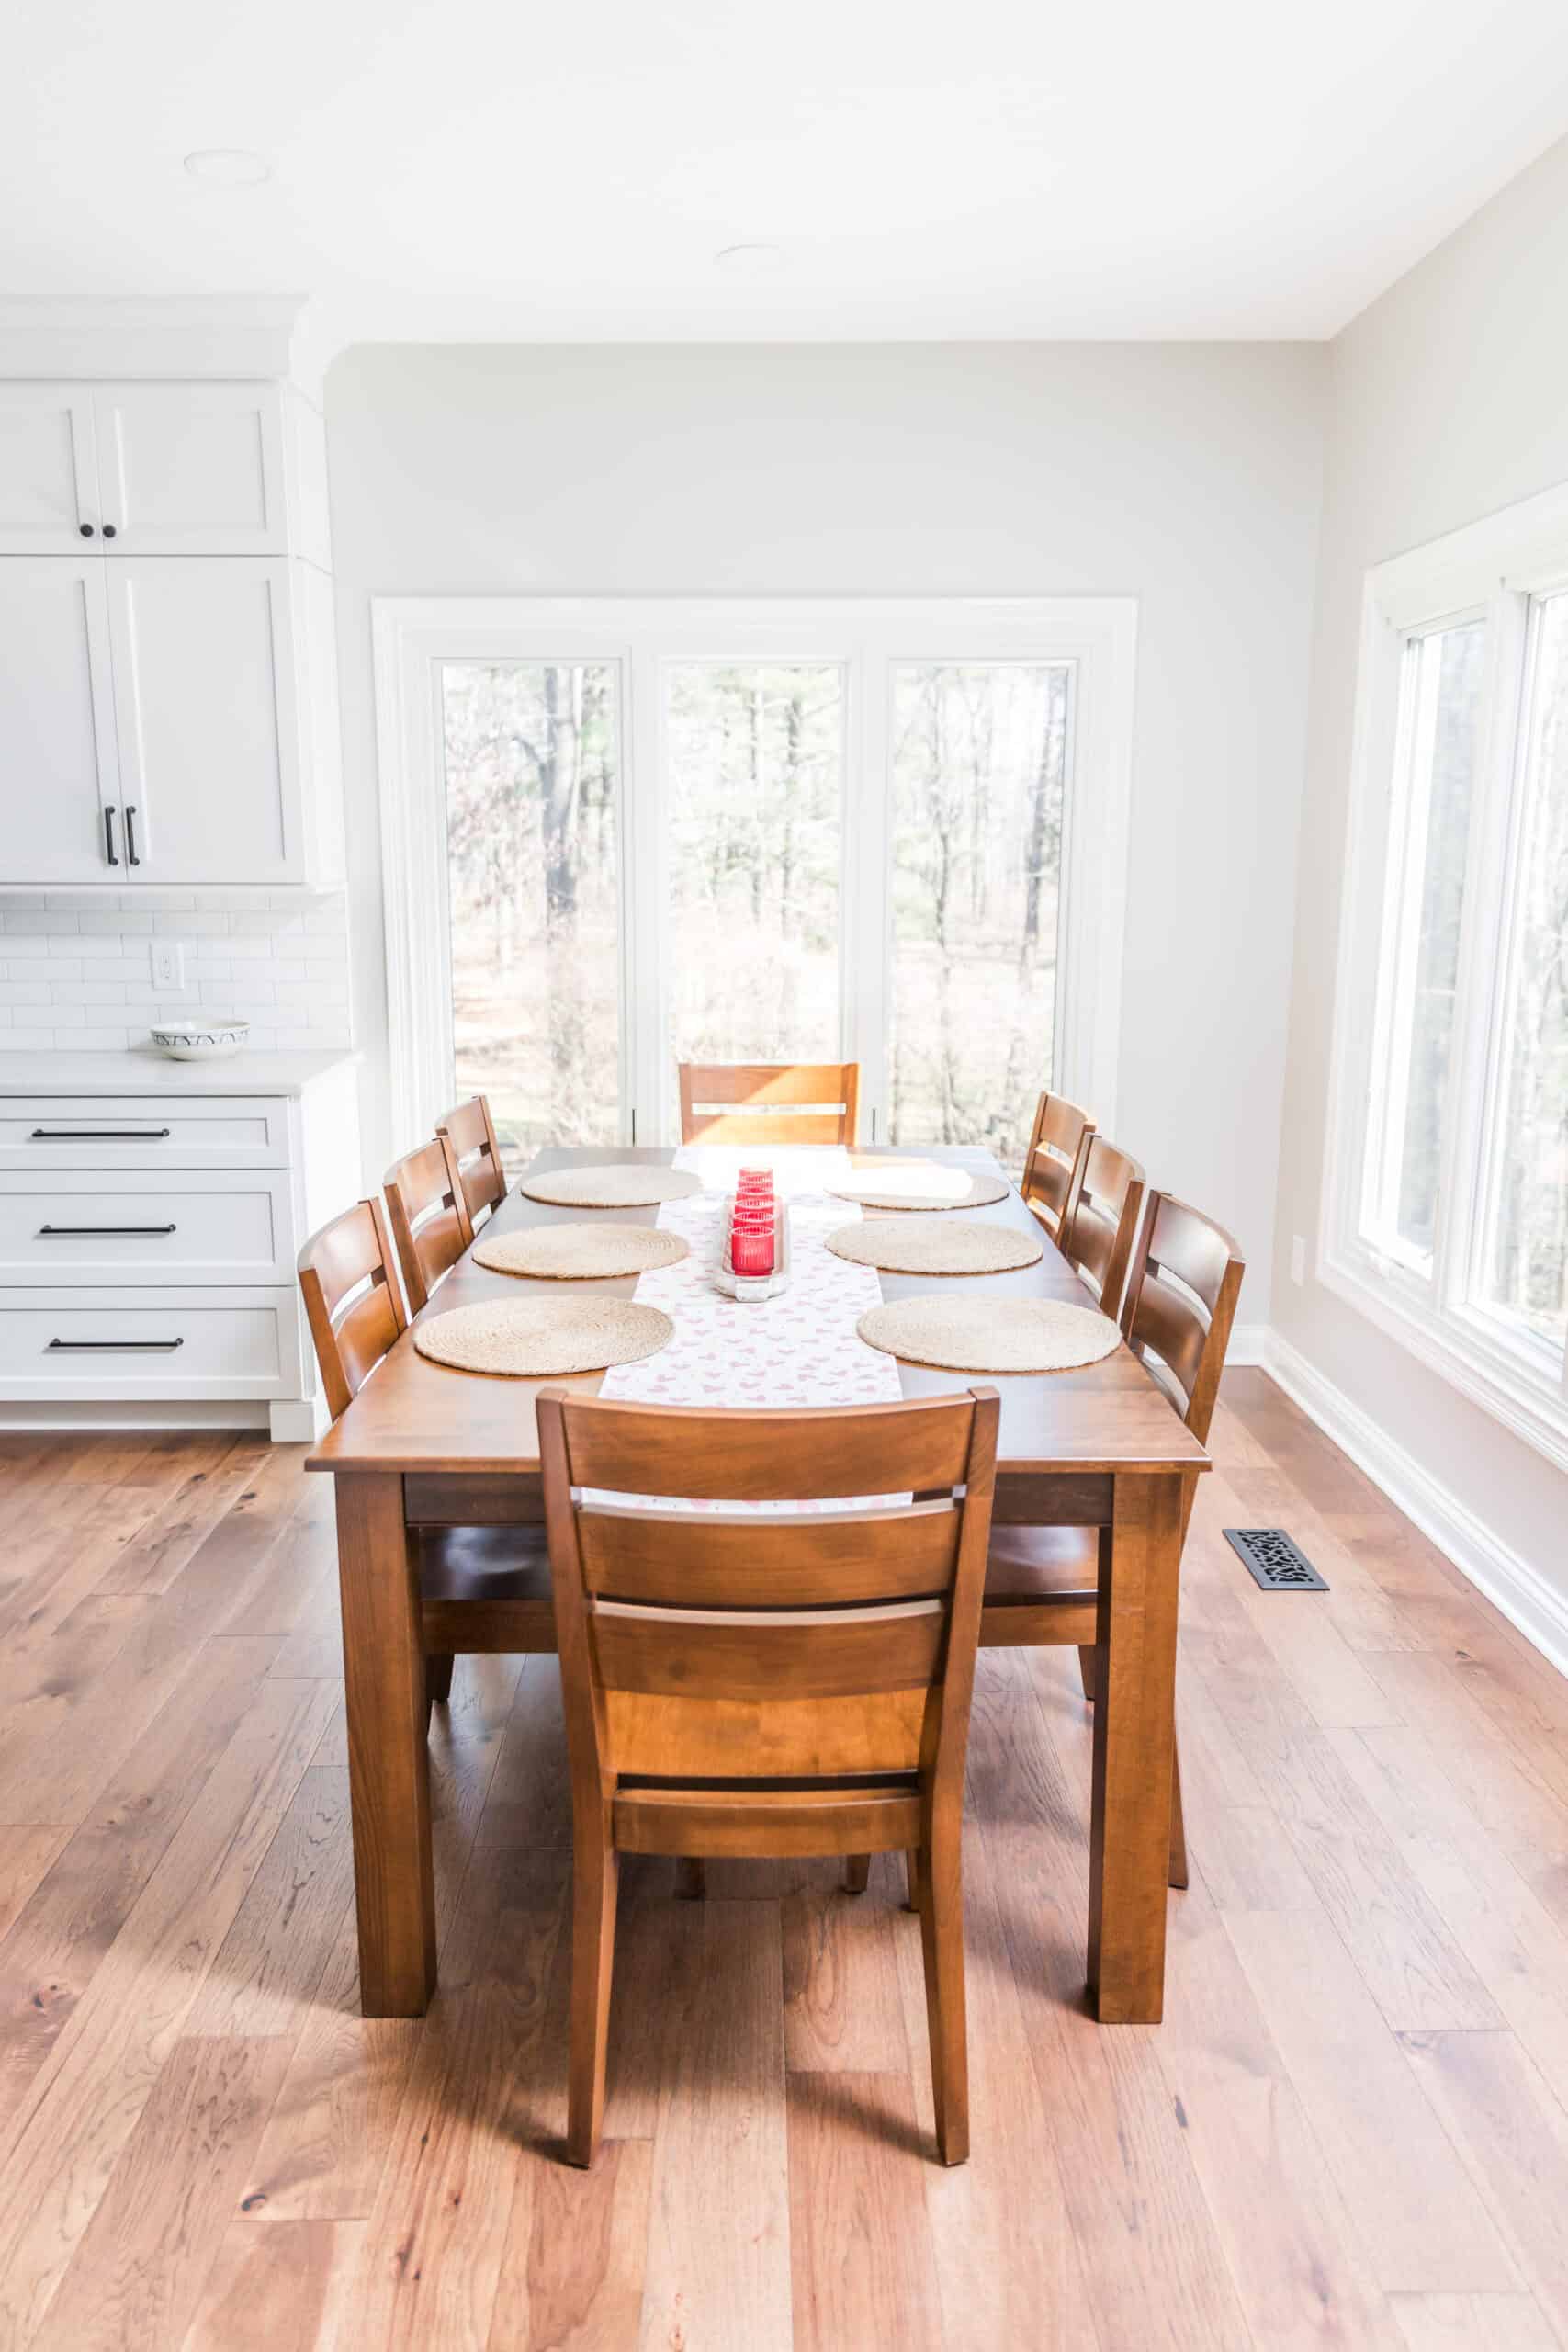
(937, 1245)
(581, 1253)
(917, 1184)
(611, 1188)
(990, 1334)
(537, 1338)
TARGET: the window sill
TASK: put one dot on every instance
(1530, 1410)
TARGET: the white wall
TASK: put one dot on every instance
(1184, 474)
(1447, 400)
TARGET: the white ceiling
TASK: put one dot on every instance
(500, 169)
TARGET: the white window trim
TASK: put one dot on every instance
(1494, 566)
(411, 635)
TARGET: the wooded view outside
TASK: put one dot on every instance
(755, 792)
(979, 778)
(533, 880)
(1524, 1274)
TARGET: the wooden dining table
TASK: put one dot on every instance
(424, 1445)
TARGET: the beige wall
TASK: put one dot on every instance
(1187, 475)
(1448, 398)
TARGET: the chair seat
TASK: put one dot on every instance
(1040, 1587)
(485, 1589)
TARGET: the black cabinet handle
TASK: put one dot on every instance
(86, 529)
(108, 838)
(126, 1347)
(99, 1134)
(131, 838)
(65, 1232)
(108, 530)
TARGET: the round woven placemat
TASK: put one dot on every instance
(535, 1338)
(917, 1245)
(917, 1184)
(611, 1188)
(581, 1253)
(990, 1334)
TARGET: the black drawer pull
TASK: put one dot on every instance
(66, 1232)
(70, 1347)
(99, 1134)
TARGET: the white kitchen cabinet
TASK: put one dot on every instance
(59, 747)
(191, 469)
(49, 481)
(205, 718)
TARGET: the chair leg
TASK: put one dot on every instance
(913, 1879)
(594, 1883)
(1178, 1875)
(857, 1872)
(941, 1944)
(1087, 1661)
(438, 1665)
(691, 1877)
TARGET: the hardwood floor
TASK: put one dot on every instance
(1351, 2129)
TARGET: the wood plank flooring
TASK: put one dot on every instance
(1350, 2130)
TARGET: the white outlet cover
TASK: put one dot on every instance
(168, 964)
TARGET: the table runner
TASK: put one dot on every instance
(799, 1348)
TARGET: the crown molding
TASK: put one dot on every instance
(227, 335)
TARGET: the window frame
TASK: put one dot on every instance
(872, 638)
(1495, 568)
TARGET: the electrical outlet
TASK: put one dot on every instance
(168, 964)
(1298, 1259)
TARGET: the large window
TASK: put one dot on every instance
(620, 835)
(1447, 1193)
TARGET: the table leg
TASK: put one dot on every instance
(388, 1769)
(1133, 1717)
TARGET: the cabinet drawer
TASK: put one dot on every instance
(118, 1344)
(209, 1226)
(142, 1131)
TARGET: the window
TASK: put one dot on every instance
(618, 833)
(1447, 1181)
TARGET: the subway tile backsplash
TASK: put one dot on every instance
(76, 967)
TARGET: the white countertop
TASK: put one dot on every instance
(143, 1072)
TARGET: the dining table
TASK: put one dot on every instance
(422, 1445)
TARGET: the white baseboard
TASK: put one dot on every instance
(1526, 1598)
(174, 1413)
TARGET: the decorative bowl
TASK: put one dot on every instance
(199, 1041)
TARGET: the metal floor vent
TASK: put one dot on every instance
(1276, 1561)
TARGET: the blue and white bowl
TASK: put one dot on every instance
(199, 1041)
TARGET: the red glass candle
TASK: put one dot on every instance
(752, 1249)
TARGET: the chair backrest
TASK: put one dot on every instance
(739, 1646)
(1181, 1305)
(352, 1301)
(1099, 1240)
(1054, 1164)
(470, 1132)
(429, 1216)
(822, 1101)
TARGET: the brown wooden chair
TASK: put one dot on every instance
(1054, 1164)
(797, 1684)
(1042, 1583)
(481, 1589)
(822, 1098)
(429, 1216)
(1099, 1241)
(471, 1134)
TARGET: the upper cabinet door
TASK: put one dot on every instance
(204, 691)
(191, 469)
(58, 772)
(49, 482)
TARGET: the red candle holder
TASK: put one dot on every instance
(752, 1249)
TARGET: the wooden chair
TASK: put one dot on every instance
(824, 1097)
(469, 1132)
(481, 1589)
(429, 1218)
(1041, 1583)
(1099, 1242)
(797, 1684)
(1054, 1164)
